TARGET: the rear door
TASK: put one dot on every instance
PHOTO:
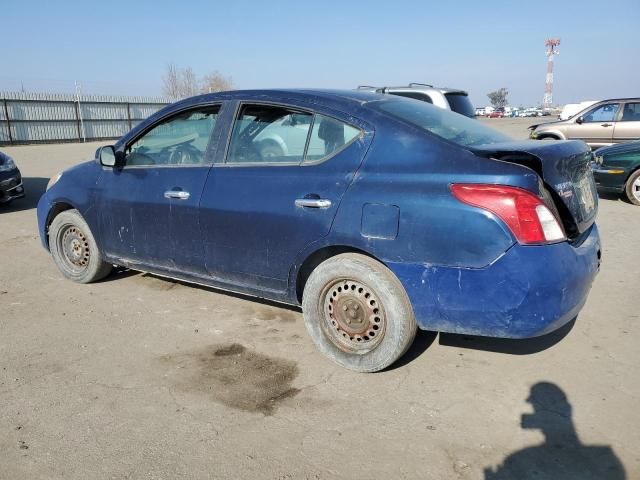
(262, 205)
(597, 125)
(627, 128)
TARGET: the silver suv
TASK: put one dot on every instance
(603, 123)
(447, 98)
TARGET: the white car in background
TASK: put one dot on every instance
(570, 109)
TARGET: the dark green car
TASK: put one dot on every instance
(617, 170)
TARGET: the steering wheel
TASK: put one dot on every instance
(185, 155)
(139, 158)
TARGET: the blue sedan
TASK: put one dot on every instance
(378, 214)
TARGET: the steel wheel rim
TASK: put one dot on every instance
(635, 188)
(353, 316)
(74, 247)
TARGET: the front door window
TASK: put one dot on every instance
(180, 140)
(603, 113)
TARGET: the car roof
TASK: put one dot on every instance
(627, 99)
(329, 97)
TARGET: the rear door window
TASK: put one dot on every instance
(269, 134)
(460, 103)
(631, 112)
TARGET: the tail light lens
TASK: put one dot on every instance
(526, 215)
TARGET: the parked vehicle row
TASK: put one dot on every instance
(392, 215)
(502, 112)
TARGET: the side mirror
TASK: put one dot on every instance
(579, 120)
(107, 156)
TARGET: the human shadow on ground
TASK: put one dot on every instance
(562, 456)
(525, 346)
(34, 187)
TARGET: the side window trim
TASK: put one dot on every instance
(208, 157)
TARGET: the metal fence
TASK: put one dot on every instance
(46, 118)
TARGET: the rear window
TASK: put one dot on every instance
(443, 123)
(460, 103)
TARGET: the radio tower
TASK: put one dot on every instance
(552, 50)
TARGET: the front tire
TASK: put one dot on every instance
(632, 188)
(358, 313)
(74, 249)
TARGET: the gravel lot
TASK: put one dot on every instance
(141, 377)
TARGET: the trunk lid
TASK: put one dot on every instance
(564, 167)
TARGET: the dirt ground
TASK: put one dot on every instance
(141, 377)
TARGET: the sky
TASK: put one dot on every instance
(124, 47)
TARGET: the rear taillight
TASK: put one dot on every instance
(526, 215)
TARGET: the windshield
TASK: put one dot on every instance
(460, 103)
(451, 126)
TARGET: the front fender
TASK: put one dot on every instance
(540, 134)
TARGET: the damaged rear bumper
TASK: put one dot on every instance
(527, 292)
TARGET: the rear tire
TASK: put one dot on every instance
(74, 249)
(632, 188)
(358, 313)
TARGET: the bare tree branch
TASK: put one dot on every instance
(171, 82)
(216, 82)
(188, 83)
(182, 82)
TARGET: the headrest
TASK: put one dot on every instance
(331, 131)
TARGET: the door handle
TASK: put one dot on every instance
(313, 202)
(179, 194)
(606, 125)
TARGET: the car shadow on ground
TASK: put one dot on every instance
(561, 455)
(525, 346)
(119, 273)
(34, 187)
(616, 197)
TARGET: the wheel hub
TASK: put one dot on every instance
(353, 314)
(75, 247)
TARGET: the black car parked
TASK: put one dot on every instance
(10, 180)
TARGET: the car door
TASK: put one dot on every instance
(258, 212)
(149, 205)
(627, 128)
(596, 126)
